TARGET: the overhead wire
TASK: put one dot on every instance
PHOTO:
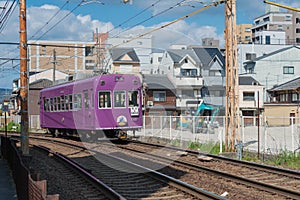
(152, 17)
(51, 18)
(4, 17)
(136, 15)
(170, 23)
(61, 19)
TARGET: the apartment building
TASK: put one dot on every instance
(275, 27)
(244, 33)
(70, 57)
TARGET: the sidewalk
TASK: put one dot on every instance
(7, 185)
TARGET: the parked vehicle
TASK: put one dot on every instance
(203, 120)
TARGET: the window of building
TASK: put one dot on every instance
(266, 19)
(297, 30)
(159, 96)
(119, 99)
(288, 18)
(187, 93)
(279, 27)
(248, 96)
(89, 51)
(188, 72)
(298, 40)
(297, 20)
(250, 56)
(268, 39)
(288, 70)
(104, 99)
(44, 51)
(295, 97)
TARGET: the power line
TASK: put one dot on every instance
(129, 19)
(60, 9)
(4, 19)
(153, 16)
(61, 20)
(170, 23)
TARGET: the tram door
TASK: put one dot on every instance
(89, 115)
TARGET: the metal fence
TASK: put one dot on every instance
(253, 131)
(274, 134)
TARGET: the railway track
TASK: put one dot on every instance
(274, 180)
(72, 180)
(251, 179)
(130, 180)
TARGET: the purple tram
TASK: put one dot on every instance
(107, 105)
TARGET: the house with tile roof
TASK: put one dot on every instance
(183, 67)
(213, 73)
(284, 105)
(160, 95)
(123, 60)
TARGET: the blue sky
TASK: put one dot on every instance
(106, 15)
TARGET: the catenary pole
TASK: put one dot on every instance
(23, 80)
(232, 123)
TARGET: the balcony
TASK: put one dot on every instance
(189, 81)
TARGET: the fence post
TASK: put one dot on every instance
(170, 127)
(293, 145)
(144, 124)
(265, 132)
(161, 127)
(152, 125)
(243, 130)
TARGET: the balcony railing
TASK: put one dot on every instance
(189, 81)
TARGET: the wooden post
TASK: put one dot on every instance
(23, 80)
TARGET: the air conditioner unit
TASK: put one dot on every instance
(149, 103)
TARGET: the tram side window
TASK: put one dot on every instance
(70, 102)
(104, 100)
(77, 102)
(55, 104)
(92, 99)
(50, 107)
(62, 102)
(119, 99)
(46, 103)
(67, 102)
(86, 100)
(58, 103)
(133, 99)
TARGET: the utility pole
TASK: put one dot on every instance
(232, 123)
(23, 80)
